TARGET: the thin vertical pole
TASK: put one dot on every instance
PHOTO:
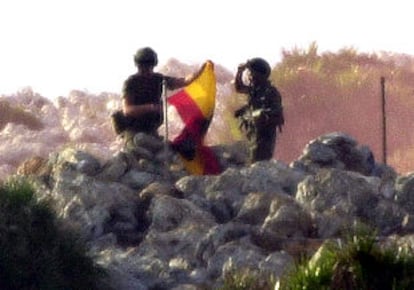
(384, 122)
(165, 114)
(165, 111)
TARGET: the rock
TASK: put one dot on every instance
(152, 226)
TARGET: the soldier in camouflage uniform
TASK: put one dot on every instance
(142, 97)
(263, 113)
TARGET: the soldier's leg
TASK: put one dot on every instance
(265, 144)
(128, 139)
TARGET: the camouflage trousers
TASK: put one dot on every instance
(262, 143)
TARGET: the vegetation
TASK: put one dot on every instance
(17, 115)
(341, 91)
(360, 263)
(36, 251)
(247, 280)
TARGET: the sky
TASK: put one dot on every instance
(55, 46)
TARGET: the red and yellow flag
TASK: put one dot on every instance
(195, 104)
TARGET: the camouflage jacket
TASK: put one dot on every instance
(265, 105)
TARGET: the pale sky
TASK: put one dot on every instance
(55, 46)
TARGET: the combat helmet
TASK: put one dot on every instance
(260, 66)
(146, 55)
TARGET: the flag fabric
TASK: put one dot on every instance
(195, 105)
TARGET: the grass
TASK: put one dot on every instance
(36, 250)
(357, 263)
(247, 280)
(360, 264)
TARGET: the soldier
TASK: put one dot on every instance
(141, 96)
(263, 113)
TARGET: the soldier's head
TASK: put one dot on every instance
(259, 68)
(146, 56)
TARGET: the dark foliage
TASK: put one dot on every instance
(36, 251)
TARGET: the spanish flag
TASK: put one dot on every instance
(195, 105)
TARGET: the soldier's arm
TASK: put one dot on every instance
(176, 83)
(238, 81)
(132, 110)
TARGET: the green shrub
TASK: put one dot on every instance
(358, 264)
(36, 250)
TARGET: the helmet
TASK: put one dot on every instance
(260, 66)
(147, 56)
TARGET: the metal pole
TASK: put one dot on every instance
(165, 114)
(384, 122)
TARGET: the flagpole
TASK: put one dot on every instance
(165, 113)
(384, 122)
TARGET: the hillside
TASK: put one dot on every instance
(342, 92)
(155, 227)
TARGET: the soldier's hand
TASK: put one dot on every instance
(241, 67)
(238, 113)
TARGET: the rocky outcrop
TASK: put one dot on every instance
(152, 226)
